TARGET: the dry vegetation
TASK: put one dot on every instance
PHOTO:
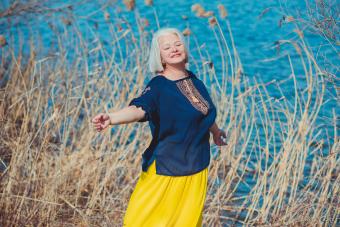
(57, 171)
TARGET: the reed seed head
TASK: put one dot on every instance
(288, 18)
(66, 21)
(106, 16)
(186, 32)
(119, 27)
(208, 14)
(149, 2)
(212, 21)
(184, 17)
(198, 9)
(222, 11)
(130, 4)
(146, 22)
(3, 41)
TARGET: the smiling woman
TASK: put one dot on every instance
(168, 54)
(172, 187)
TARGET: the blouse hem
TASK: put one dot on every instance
(174, 175)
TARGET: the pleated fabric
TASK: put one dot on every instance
(167, 201)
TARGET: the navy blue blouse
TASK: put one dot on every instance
(180, 113)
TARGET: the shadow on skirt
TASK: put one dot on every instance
(167, 201)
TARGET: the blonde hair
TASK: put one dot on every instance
(155, 61)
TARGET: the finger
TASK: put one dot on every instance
(102, 126)
(102, 117)
(94, 120)
(222, 142)
(106, 117)
(106, 124)
(224, 134)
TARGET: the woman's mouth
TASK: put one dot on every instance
(176, 55)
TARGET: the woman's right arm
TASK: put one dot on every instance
(125, 115)
(139, 109)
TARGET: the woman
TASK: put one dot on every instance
(172, 186)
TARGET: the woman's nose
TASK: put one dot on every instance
(174, 48)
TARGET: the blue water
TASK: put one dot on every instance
(254, 38)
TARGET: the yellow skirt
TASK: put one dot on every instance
(167, 201)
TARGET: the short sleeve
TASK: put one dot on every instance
(147, 100)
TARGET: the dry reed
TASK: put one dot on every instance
(57, 171)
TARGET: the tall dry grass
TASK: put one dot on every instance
(57, 171)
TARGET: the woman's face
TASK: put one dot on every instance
(172, 49)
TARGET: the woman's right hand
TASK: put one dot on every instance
(101, 121)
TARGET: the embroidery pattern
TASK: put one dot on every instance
(145, 90)
(189, 90)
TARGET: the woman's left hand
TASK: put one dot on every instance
(217, 136)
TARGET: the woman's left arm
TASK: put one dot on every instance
(214, 129)
(217, 135)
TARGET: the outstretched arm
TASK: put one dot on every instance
(214, 129)
(125, 115)
(217, 135)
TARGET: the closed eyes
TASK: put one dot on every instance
(167, 47)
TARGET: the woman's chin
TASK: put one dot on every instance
(176, 62)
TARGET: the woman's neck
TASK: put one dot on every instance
(174, 73)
